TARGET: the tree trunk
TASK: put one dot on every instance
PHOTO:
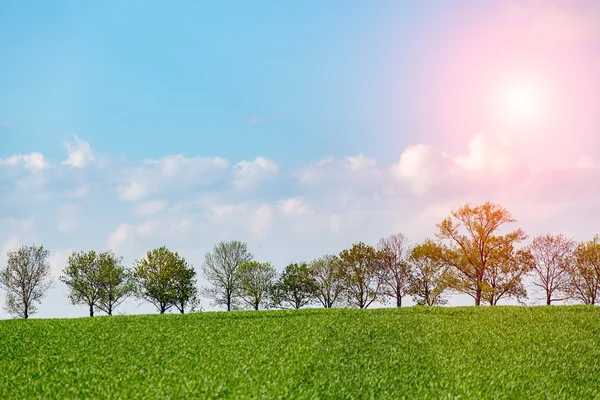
(548, 299)
(398, 301)
(478, 297)
(91, 310)
(256, 307)
(25, 312)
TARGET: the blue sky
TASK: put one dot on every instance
(296, 81)
(298, 127)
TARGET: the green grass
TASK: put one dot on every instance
(475, 353)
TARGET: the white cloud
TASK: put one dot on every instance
(150, 207)
(292, 206)
(80, 153)
(260, 220)
(358, 162)
(58, 261)
(172, 173)
(120, 237)
(34, 162)
(249, 173)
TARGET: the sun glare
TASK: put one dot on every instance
(522, 103)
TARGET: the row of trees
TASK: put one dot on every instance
(469, 254)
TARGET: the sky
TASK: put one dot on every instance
(297, 127)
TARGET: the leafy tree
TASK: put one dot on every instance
(186, 291)
(26, 279)
(552, 259)
(428, 280)
(395, 277)
(159, 277)
(256, 281)
(475, 251)
(584, 272)
(505, 278)
(82, 276)
(221, 270)
(115, 282)
(295, 287)
(326, 277)
(361, 274)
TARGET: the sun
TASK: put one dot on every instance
(522, 102)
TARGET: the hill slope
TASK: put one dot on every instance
(498, 352)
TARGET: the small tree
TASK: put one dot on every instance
(186, 291)
(295, 287)
(552, 258)
(159, 277)
(584, 272)
(505, 277)
(256, 282)
(395, 276)
(428, 280)
(82, 276)
(326, 277)
(221, 270)
(26, 279)
(115, 282)
(361, 274)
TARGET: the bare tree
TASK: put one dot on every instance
(395, 250)
(552, 258)
(474, 248)
(221, 270)
(326, 276)
(26, 279)
(361, 274)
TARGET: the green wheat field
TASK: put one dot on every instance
(464, 352)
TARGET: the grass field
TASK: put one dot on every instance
(476, 353)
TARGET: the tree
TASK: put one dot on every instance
(221, 270)
(395, 250)
(186, 291)
(428, 280)
(552, 258)
(256, 280)
(159, 277)
(584, 272)
(82, 276)
(26, 279)
(295, 287)
(115, 282)
(473, 247)
(361, 274)
(326, 277)
(504, 278)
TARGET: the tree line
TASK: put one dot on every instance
(472, 253)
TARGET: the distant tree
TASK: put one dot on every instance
(295, 287)
(428, 279)
(476, 253)
(186, 291)
(504, 278)
(83, 277)
(26, 279)
(552, 259)
(221, 270)
(395, 276)
(584, 272)
(115, 282)
(326, 276)
(256, 280)
(159, 277)
(361, 274)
